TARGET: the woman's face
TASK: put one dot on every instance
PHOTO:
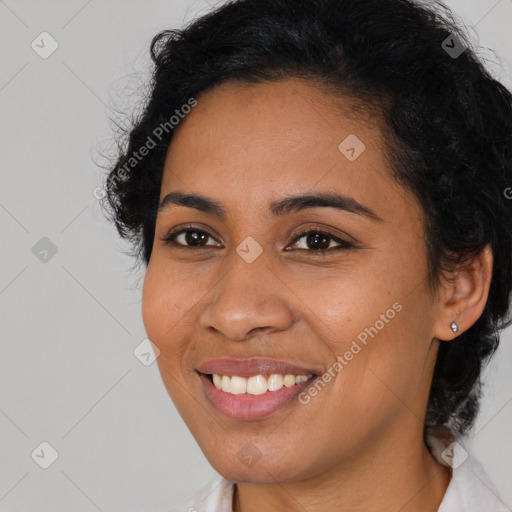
(251, 284)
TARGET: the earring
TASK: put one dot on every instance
(454, 326)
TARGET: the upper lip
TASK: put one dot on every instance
(253, 366)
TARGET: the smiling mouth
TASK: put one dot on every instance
(257, 384)
(256, 402)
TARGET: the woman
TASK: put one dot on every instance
(318, 189)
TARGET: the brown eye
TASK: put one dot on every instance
(315, 241)
(321, 241)
(188, 237)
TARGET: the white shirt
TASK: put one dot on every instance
(469, 490)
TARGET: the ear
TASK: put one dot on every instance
(463, 295)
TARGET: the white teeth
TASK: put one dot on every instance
(238, 385)
(217, 380)
(289, 380)
(275, 382)
(226, 384)
(258, 384)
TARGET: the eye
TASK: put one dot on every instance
(316, 241)
(188, 235)
(320, 242)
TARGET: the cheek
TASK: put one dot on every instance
(377, 321)
(349, 300)
(163, 305)
(171, 299)
(163, 314)
(151, 303)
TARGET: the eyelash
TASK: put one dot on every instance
(344, 245)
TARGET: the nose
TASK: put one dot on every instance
(248, 299)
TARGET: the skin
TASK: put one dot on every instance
(358, 444)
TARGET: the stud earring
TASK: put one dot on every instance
(454, 326)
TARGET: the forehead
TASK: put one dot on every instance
(293, 115)
(270, 139)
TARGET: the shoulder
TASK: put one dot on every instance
(215, 496)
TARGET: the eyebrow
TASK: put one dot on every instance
(277, 208)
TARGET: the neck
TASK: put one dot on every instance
(401, 476)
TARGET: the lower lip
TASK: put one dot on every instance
(251, 407)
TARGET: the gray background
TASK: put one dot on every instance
(70, 324)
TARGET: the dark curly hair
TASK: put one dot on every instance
(449, 138)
